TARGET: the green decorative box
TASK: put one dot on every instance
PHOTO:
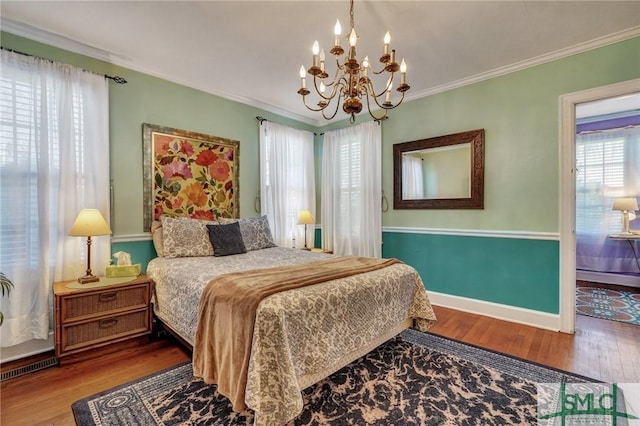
(114, 271)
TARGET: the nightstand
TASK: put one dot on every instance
(90, 316)
(629, 238)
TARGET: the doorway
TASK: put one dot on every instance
(607, 180)
(568, 105)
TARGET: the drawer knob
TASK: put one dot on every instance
(108, 297)
(106, 323)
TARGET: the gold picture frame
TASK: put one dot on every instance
(189, 174)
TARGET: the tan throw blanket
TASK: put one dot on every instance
(226, 317)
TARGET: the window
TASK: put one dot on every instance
(606, 164)
(352, 190)
(287, 181)
(54, 161)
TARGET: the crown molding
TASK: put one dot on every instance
(528, 63)
(65, 43)
(56, 40)
(32, 33)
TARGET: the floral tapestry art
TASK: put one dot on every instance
(193, 175)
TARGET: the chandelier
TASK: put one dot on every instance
(351, 82)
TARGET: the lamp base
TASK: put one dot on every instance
(305, 248)
(88, 279)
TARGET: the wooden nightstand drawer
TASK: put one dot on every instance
(100, 315)
(83, 305)
(104, 329)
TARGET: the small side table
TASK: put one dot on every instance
(630, 238)
(92, 315)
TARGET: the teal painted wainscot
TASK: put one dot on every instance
(518, 272)
(141, 251)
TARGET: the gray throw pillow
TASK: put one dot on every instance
(256, 232)
(226, 239)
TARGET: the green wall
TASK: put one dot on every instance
(520, 115)
(147, 99)
(519, 112)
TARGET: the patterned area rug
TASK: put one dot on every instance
(608, 304)
(417, 379)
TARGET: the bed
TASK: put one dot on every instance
(299, 336)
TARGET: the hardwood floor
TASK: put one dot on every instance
(45, 397)
(600, 349)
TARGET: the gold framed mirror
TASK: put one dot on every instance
(443, 172)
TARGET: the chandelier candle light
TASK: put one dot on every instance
(351, 81)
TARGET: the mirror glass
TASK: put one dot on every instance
(437, 173)
(441, 172)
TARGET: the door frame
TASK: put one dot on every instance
(567, 219)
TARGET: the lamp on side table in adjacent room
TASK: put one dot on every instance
(305, 218)
(89, 222)
(625, 205)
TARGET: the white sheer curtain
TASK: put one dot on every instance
(412, 179)
(54, 161)
(287, 182)
(608, 167)
(352, 190)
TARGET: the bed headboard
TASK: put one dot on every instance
(188, 174)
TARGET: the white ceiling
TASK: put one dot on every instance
(251, 51)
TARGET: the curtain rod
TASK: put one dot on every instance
(262, 119)
(116, 79)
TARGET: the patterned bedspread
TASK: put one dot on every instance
(303, 335)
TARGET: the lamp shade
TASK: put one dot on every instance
(89, 222)
(305, 218)
(628, 204)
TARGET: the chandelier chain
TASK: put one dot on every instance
(351, 15)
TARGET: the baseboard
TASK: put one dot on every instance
(605, 278)
(27, 365)
(26, 349)
(495, 310)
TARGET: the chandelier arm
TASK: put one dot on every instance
(382, 117)
(398, 104)
(334, 112)
(336, 77)
(304, 101)
(343, 84)
(385, 107)
(390, 106)
(371, 90)
(379, 72)
(333, 90)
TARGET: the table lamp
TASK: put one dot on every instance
(89, 222)
(305, 218)
(625, 205)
